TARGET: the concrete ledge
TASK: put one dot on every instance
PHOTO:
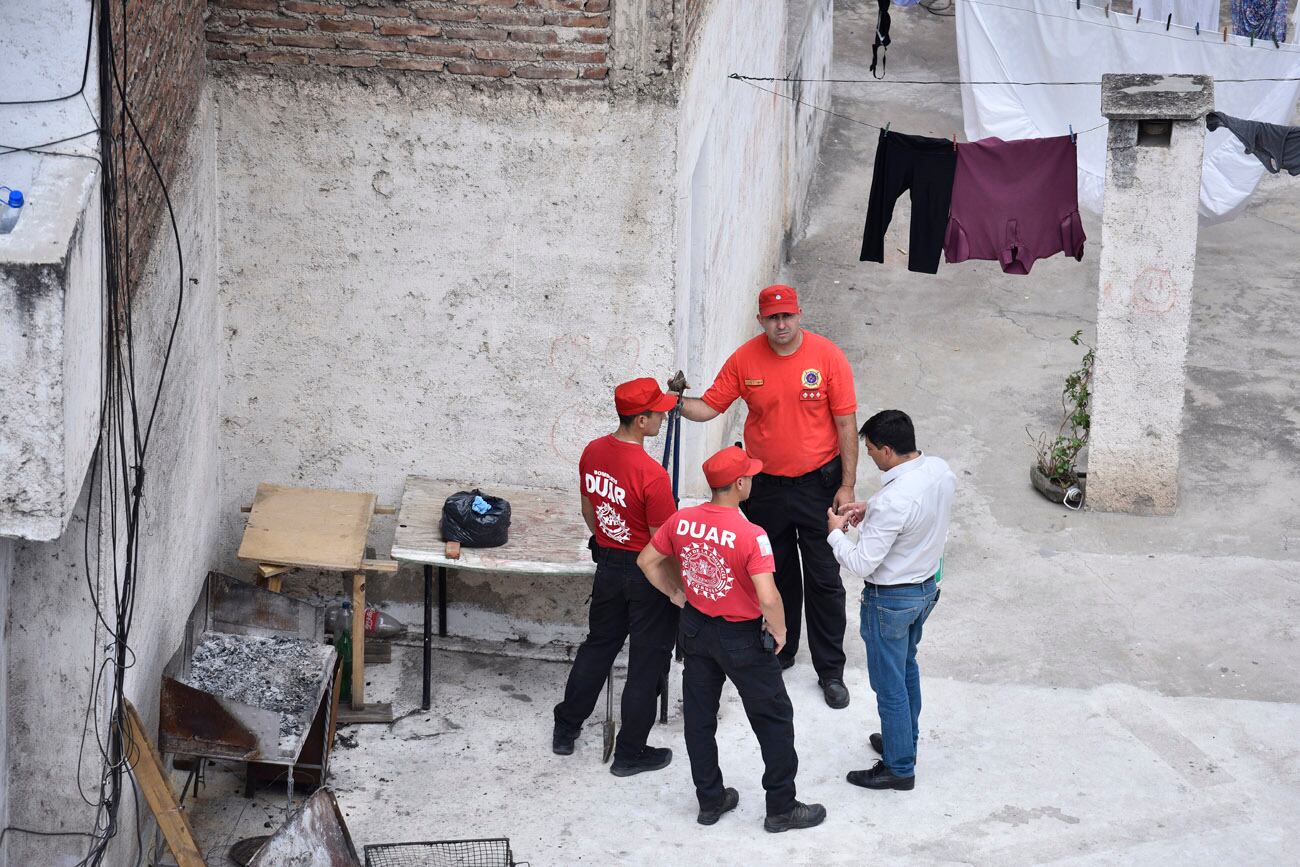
(50, 349)
(1132, 96)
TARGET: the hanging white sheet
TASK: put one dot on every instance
(1051, 40)
(1188, 13)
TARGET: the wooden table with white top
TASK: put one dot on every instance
(547, 537)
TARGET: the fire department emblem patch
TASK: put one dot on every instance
(612, 523)
(811, 378)
(706, 571)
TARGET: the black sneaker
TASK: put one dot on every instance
(561, 744)
(798, 816)
(835, 692)
(880, 777)
(877, 743)
(650, 759)
(730, 798)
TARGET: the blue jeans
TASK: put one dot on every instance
(892, 617)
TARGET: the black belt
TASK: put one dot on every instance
(616, 555)
(806, 478)
(724, 623)
(901, 584)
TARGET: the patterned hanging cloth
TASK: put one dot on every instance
(1262, 19)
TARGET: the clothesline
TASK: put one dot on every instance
(1166, 32)
(954, 82)
(845, 116)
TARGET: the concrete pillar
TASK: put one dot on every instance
(1148, 257)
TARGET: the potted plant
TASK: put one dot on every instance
(1055, 474)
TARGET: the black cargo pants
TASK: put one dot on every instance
(623, 605)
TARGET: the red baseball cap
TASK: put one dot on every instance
(642, 395)
(728, 465)
(778, 299)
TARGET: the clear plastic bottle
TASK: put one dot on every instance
(11, 206)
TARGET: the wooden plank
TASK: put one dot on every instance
(315, 528)
(380, 565)
(147, 768)
(375, 712)
(269, 570)
(358, 640)
(385, 510)
(274, 583)
(547, 533)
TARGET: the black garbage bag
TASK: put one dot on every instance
(461, 523)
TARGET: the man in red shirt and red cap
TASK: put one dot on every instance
(626, 496)
(802, 425)
(718, 566)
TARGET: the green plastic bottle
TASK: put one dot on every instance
(343, 645)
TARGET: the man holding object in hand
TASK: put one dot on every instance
(718, 566)
(901, 533)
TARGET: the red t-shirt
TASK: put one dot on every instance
(792, 400)
(720, 552)
(628, 489)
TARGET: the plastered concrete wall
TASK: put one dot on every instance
(6, 570)
(51, 622)
(432, 281)
(50, 334)
(810, 40)
(1148, 260)
(732, 148)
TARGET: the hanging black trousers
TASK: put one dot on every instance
(926, 166)
(624, 605)
(792, 510)
(715, 651)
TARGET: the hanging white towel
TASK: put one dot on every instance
(1188, 13)
(1051, 40)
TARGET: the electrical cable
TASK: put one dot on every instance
(85, 73)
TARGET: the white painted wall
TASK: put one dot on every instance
(437, 281)
(51, 635)
(745, 159)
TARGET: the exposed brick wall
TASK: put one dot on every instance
(164, 74)
(527, 40)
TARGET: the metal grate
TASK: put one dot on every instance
(490, 852)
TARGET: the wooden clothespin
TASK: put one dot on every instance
(954, 142)
(1169, 19)
(1225, 34)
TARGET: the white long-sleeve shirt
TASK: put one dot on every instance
(901, 538)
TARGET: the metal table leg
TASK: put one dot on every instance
(428, 633)
(442, 601)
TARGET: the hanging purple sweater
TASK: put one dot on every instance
(1015, 202)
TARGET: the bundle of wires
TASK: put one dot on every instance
(128, 412)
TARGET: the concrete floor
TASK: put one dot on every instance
(1099, 689)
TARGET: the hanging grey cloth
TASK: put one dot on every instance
(1277, 147)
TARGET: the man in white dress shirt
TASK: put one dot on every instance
(901, 533)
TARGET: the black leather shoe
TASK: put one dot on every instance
(730, 798)
(561, 745)
(880, 777)
(651, 759)
(787, 662)
(836, 693)
(877, 743)
(798, 816)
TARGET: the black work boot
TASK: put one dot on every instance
(835, 692)
(799, 816)
(877, 743)
(650, 759)
(730, 798)
(561, 744)
(880, 777)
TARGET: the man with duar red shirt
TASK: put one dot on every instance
(625, 496)
(802, 425)
(718, 566)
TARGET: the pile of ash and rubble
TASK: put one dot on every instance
(272, 672)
